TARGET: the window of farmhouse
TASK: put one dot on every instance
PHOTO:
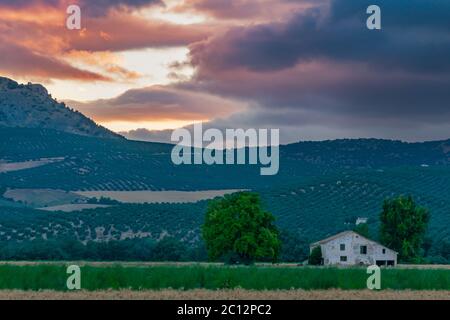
(343, 258)
(363, 249)
(342, 247)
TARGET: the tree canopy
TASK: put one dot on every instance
(238, 230)
(403, 227)
(362, 229)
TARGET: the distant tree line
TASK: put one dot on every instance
(293, 249)
(103, 200)
(168, 249)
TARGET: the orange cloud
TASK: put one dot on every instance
(19, 61)
(36, 32)
(107, 61)
(35, 14)
(90, 7)
(118, 32)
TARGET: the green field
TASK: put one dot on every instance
(215, 277)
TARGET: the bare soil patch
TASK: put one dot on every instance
(16, 166)
(74, 207)
(149, 196)
(237, 294)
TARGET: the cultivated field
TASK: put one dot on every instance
(74, 207)
(16, 166)
(60, 200)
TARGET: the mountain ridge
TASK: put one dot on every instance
(31, 106)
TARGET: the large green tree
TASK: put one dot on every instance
(237, 229)
(403, 227)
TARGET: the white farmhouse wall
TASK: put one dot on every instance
(352, 243)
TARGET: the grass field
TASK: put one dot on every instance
(215, 277)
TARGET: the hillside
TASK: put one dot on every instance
(321, 187)
(86, 163)
(30, 106)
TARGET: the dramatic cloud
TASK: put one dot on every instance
(104, 60)
(89, 7)
(323, 69)
(124, 32)
(311, 68)
(101, 7)
(254, 10)
(17, 60)
(37, 45)
(338, 34)
(162, 136)
(159, 103)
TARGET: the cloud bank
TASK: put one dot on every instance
(310, 68)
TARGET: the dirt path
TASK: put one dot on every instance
(237, 294)
(206, 264)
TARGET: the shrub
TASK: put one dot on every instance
(315, 258)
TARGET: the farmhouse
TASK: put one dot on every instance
(349, 248)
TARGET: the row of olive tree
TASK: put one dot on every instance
(61, 249)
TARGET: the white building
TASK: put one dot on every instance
(361, 220)
(349, 248)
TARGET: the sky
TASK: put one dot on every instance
(310, 68)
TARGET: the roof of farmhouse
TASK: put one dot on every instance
(342, 234)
